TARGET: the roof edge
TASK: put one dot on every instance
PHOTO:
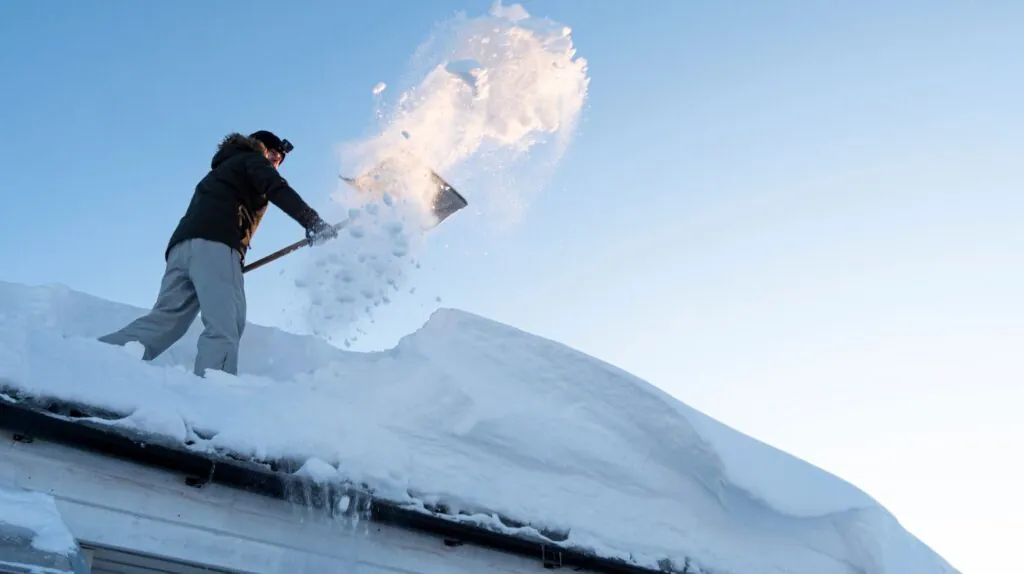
(27, 421)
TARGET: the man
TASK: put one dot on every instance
(206, 252)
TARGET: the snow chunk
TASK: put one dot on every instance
(513, 13)
(318, 470)
(379, 88)
(37, 512)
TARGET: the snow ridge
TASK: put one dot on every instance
(485, 420)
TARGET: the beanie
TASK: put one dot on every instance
(272, 142)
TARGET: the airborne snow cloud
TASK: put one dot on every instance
(491, 100)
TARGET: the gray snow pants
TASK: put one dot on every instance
(200, 275)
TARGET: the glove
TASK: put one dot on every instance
(320, 232)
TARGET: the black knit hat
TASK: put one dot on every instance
(273, 142)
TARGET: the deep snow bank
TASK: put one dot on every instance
(485, 419)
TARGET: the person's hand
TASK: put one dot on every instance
(320, 232)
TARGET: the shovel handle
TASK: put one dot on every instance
(285, 251)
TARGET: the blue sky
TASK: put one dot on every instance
(804, 220)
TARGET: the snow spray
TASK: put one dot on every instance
(491, 104)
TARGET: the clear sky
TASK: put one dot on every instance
(802, 218)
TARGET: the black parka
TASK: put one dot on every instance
(230, 201)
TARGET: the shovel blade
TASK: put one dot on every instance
(404, 179)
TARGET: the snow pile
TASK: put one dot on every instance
(48, 545)
(493, 98)
(488, 421)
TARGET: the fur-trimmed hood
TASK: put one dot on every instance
(235, 143)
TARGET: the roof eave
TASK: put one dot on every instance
(26, 422)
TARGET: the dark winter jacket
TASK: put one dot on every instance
(230, 201)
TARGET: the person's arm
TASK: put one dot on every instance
(270, 183)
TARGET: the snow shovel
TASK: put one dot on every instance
(446, 202)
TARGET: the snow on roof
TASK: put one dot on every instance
(484, 419)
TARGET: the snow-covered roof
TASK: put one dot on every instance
(499, 427)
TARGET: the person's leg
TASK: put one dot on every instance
(175, 308)
(216, 272)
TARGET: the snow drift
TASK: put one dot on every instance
(484, 419)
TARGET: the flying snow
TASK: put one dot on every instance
(490, 95)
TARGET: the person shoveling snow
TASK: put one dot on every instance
(205, 255)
